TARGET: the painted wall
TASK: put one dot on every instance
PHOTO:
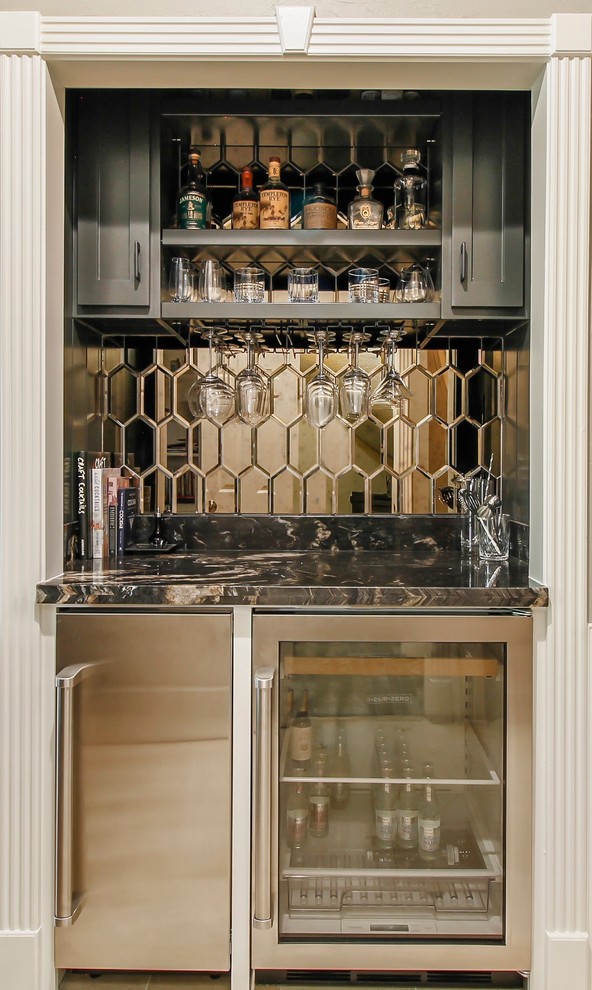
(323, 8)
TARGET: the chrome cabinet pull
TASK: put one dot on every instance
(67, 907)
(137, 270)
(263, 749)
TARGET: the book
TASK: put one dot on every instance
(84, 462)
(114, 483)
(99, 531)
(127, 508)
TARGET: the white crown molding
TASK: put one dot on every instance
(290, 32)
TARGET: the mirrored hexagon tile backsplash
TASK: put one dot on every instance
(397, 460)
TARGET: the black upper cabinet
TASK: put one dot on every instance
(488, 201)
(112, 194)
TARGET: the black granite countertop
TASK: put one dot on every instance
(425, 575)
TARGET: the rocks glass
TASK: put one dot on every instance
(303, 285)
(249, 285)
(363, 285)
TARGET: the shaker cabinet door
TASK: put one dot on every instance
(488, 199)
(113, 200)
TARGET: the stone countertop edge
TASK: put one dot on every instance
(301, 580)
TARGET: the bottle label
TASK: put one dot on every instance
(429, 835)
(192, 211)
(297, 820)
(301, 743)
(245, 214)
(319, 216)
(386, 826)
(318, 813)
(274, 207)
(408, 826)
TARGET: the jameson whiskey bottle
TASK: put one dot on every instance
(245, 205)
(301, 734)
(320, 209)
(274, 200)
(192, 199)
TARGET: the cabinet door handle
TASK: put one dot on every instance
(263, 749)
(137, 269)
(67, 907)
(463, 262)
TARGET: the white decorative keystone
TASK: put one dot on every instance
(294, 26)
(19, 31)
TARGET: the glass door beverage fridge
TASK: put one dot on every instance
(392, 776)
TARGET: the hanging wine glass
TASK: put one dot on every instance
(354, 390)
(392, 389)
(252, 386)
(320, 399)
(215, 397)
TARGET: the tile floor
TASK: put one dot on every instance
(144, 981)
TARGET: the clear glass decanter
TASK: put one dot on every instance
(409, 209)
(364, 212)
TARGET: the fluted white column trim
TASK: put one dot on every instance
(563, 823)
(25, 677)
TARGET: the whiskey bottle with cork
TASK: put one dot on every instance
(193, 206)
(320, 209)
(274, 200)
(245, 205)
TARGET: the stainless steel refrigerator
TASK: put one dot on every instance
(143, 788)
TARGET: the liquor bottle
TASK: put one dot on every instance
(245, 205)
(364, 212)
(429, 826)
(340, 767)
(319, 798)
(385, 810)
(274, 200)
(320, 209)
(193, 206)
(297, 815)
(408, 813)
(301, 734)
(409, 210)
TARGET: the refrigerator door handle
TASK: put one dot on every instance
(67, 907)
(263, 749)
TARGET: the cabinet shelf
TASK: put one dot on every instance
(380, 312)
(342, 237)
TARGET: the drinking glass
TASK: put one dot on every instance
(320, 399)
(212, 288)
(303, 285)
(249, 285)
(391, 389)
(415, 285)
(216, 399)
(494, 537)
(384, 290)
(252, 389)
(354, 391)
(180, 280)
(363, 285)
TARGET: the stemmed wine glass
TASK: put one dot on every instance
(354, 391)
(252, 386)
(212, 397)
(391, 390)
(320, 399)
